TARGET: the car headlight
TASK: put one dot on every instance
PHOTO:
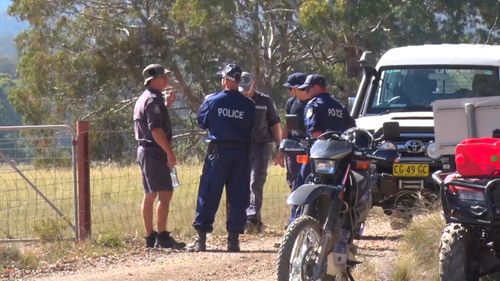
(324, 166)
(432, 151)
(388, 145)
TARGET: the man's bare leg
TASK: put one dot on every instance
(162, 209)
(147, 211)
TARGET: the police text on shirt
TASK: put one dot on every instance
(231, 113)
(333, 112)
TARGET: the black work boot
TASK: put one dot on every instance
(233, 243)
(151, 239)
(166, 241)
(200, 242)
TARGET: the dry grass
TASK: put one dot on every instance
(116, 195)
(418, 256)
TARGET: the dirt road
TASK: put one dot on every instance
(256, 261)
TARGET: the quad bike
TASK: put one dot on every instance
(470, 197)
(332, 205)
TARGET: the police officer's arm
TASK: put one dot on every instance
(273, 119)
(161, 139)
(280, 156)
(203, 114)
(284, 132)
(311, 121)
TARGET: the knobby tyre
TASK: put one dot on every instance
(305, 230)
(456, 258)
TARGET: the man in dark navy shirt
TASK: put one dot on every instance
(295, 105)
(229, 117)
(266, 130)
(153, 133)
(323, 112)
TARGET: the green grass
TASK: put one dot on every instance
(116, 195)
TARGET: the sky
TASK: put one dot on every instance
(9, 26)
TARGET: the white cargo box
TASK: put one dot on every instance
(459, 119)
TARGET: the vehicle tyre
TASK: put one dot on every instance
(456, 255)
(293, 256)
(402, 212)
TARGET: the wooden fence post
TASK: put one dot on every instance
(84, 212)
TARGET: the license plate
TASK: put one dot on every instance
(410, 170)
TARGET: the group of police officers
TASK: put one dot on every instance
(242, 124)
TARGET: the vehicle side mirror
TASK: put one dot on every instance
(292, 121)
(390, 130)
(367, 59)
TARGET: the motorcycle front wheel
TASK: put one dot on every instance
(297, 252)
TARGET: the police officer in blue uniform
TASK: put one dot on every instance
(153, 133)
(323, 112)
(229, 116)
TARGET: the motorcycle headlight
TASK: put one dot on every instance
(324, 166)
(432, 151)
(388, 145)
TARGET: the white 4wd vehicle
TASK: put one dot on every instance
(401, 88)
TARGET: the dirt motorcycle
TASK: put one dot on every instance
(332, 205)
(470, 198)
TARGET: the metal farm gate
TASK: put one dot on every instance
(38, 183)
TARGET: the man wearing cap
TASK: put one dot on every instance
(153, 133)
(323, 112)
(266, 129)
(228, 116)
(295, 105)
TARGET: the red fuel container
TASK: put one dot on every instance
(478, 157)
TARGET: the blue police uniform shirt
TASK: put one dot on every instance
(324, 113)
(150, 112)
(228, 115)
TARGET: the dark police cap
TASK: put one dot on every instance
(231, 72)
(313, 79)
(295, 79)
(152, 71)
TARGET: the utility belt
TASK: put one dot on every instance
(215, 146)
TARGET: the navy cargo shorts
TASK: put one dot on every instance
(154, 168)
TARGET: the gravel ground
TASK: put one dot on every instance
(377, 250)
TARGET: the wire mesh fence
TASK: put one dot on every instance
(37, 183)
(116, 189)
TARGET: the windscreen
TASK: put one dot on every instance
(415, 89)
